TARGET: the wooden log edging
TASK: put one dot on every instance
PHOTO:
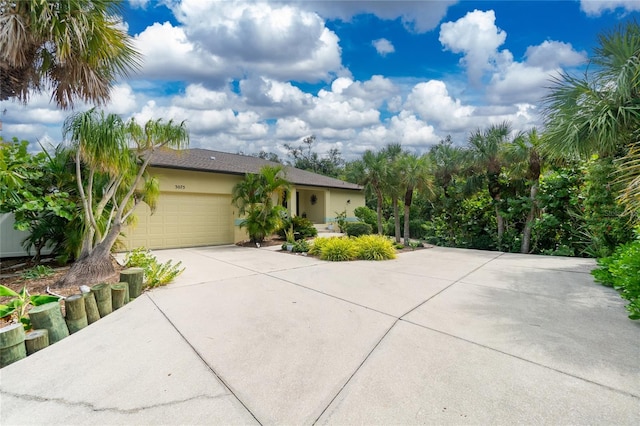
(91, 308)
(12, 346)
(76, 313)
(49, 316)
(134, 277)
(118, 294)
(102, 293)
(36, 340)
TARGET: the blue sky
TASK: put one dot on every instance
(252, 76)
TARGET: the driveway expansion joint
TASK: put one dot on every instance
(620, 391)
(199, 355)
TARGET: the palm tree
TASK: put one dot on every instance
(74, 47)
(393, 185)
(414, 174)
(526, 160)
(254, 197)
(371, 172)
(448, 161)
(487, 150)
(598, 112)
(111, 158)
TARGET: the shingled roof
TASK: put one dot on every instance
(205, 160)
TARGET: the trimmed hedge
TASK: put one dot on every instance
(365, 247)
(355, 229)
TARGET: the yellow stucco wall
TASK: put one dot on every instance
(328, 201)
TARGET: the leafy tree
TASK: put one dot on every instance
(598, 113)
(111, 158)
(371, 172)
(393, 185)
(526, 159)
(75, 47)
(448, 161)
(487, 151)
(304, 157)
(34, 189)
(413, 174)
(254, 198)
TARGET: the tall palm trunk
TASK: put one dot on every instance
(379, 211)
(531, 217)
(396, 217)
(408, 198)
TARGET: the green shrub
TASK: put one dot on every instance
(355, 229)
(316, 247)
(374, 247)
(155, 273)
(339, 249)
(301, 246)
(341, 220)
(622, 272)
(366, 215)
(302, 228)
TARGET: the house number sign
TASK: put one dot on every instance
(181, 187)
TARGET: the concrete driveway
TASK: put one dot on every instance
(437, 336)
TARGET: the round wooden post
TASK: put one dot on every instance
(134, 277)
(12, 347)
(118, 294)
(49, 316)
(91, 307)
(102, 292)
(36, 340)
(76, 313)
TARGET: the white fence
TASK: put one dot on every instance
(11, 240)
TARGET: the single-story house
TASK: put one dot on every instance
(195, 209)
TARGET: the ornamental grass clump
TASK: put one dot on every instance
(339, 250)
(374, 247)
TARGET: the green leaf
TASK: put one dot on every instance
(26, 323)
(6, 291)
(41, 299)
(6, 310)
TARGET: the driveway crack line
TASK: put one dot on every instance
(93, 408)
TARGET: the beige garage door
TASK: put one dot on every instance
(183, 220)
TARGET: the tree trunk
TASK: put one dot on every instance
(408, 199)
(525, 247)
(94, 267)
(396, 217)
(379, 209)
(500, 221)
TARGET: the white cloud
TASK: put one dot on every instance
(598, 7)
(554, 54)
(383, 46)
(475, 36)
(432, 102)
(123, 100)
(270, 39)
(416, 16)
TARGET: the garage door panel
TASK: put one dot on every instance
(184, 220)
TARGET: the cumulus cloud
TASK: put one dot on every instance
(598, 7)
(477, 38)
(432, 102)
(416, 16)
(271, 39)
(554, 54)
(383, 46)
